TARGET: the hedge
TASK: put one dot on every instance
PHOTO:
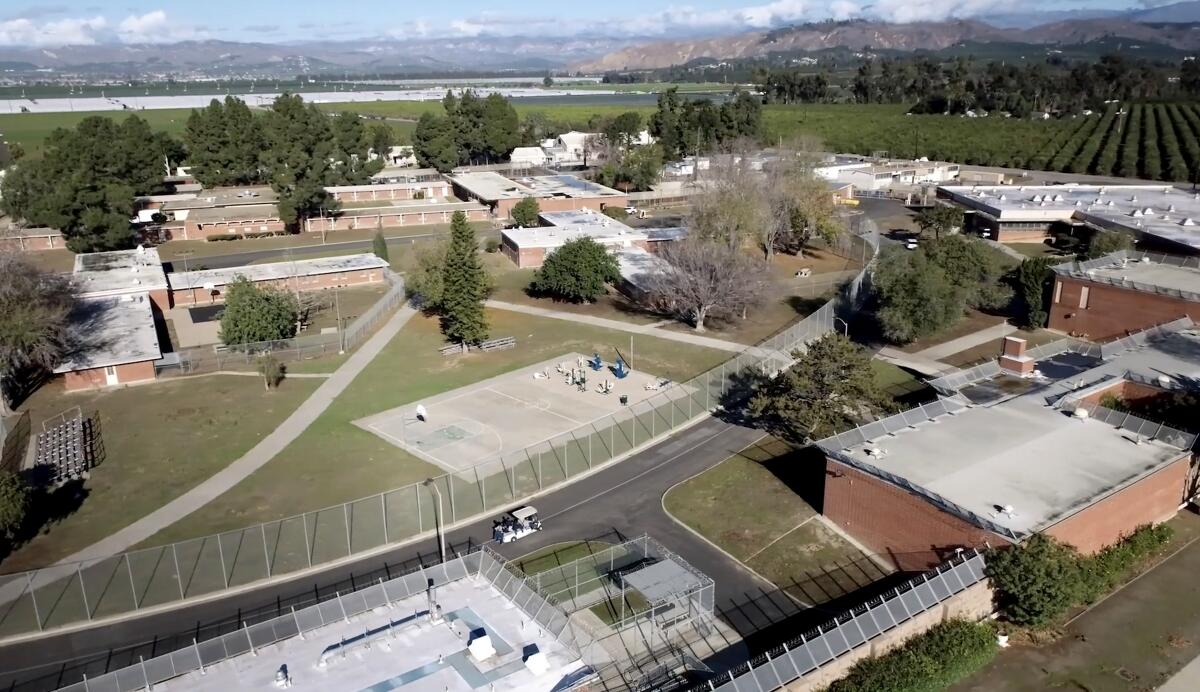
(949, 652)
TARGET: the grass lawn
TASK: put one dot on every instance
(334, 461)
(160, 440)
(613, 612)
(897, 382)
(348, 302)
(510, 282)
(557, 555)
(749, 505)
(52, 260)
(992, 349)
(974, 321)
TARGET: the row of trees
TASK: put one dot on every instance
(85, 182)
(472, 130)
(686, 126)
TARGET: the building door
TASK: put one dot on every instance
(110, 375)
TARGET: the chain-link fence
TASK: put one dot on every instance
(70, 593)
(241, 356)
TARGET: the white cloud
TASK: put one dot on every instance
(152, 27)
(467, 27)
(902, 11)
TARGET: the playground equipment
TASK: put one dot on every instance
(620, 369)
(516, 525)
(605, 387)
(596, 363)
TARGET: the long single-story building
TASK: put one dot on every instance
(31, 239)
(431, 189)
(528, 247)
(1124, 292)
(118, 342)
(552, 192)
(120, 273)
(206, 286)
(1030, 450)
(414, 214)
(1027, 213)
(225, 211)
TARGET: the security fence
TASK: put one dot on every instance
(952, 382)
(1123, 258)
(70, 593)
(1139, 428)
(1137, 339)
(235, 356)
(852, 629)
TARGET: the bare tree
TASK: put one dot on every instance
(35, 310)
(733, 209)
(706, 278)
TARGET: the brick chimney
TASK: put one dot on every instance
(1013, 360)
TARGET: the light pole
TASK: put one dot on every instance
(845, 326)
(429, 483)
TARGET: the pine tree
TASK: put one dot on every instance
(379, 246)
(465, 286)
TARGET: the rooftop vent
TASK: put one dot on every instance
(1187, 221)
(875, 451)
(1164, 381)
(1080, 413)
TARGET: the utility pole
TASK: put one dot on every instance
(439, 524)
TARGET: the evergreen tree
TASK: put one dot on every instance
(379, 246)
(577, 271)
(915, 297)
(435, 144)
(300, 157)
(255, 313)
(464, 286)
(382, 140)
(14, 503)
(1033, 276)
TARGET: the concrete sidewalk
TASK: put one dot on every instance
(1186, 680)
(962, 343)
(251, 461)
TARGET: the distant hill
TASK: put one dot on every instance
(863, 34)
(1180, 12)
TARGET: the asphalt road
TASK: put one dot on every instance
(622, 500)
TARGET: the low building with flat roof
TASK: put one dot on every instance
(121, 272)
(395, 215)
(1029, 213)
(1124, 292)
(117, 342)
(378, 192)
(31, 239)
(553, 192)
(1012, 455)
(528, 247)
(639, 269)
(207, 286)
(405, 174)
(238, 211)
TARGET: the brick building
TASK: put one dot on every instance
(528, 247)
(222, 212)
(207, 286)
(1125, 292)
(553, 192)
(416, 213)
(31, 239)
(996, 464)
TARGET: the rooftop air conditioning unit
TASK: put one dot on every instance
(875, 451)
(1080, 413)
(1164, 381)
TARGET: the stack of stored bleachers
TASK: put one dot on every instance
(66, 450)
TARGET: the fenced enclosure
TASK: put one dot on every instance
(71, 593)
(223, 357)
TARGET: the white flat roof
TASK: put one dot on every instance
(405, 206)
(413, 655)
(570, 225)
(489, 185)
(1022, 452)
(566, 186)
(275, 270)
(638, 266)
(1158, 210)
(119, 272)
(406, 185)
(114, 330)
(1178, 280)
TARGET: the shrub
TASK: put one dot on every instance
(491, 245)
(525, 213)
(14, 503)
(577, 271)
(272, 371)
(949, 652)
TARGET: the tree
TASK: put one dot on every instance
(706, 278)
(382, 139)
(35, 311)
(379, 246)
(423, 279)
(224, 141)
(940, 219)
(302, 156)
(464, 286)
(623, 129)
(272, 371)
(973, 266)
(257, 313)
(831, 387)
(435, 144)
(85, 182)
(1033, 276)
(735, 209)
(15, 500)
(1107, 242)
(526, 212)
(547, 81)
(577, 271)
(1035, 581)
(915, 298)
(801, 208)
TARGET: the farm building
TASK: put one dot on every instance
(208, 286)
(553, 192)
(1007, 213)
(416, 213)
(1029, 449)
(1113, 296)
(528, 247)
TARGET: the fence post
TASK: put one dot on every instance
(383, 507)
(221, 552)
(266, 553)
(132, 588)
(178, 574)
(83, 589)
(349, 542)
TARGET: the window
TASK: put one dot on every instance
(1083, 297)
(1057, 292)
(111, 371)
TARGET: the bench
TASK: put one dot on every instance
(500, 344)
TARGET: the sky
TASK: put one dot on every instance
(49, 23)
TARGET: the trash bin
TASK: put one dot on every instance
(624, 399)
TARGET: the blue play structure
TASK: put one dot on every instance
(596, 363)
(620, 369)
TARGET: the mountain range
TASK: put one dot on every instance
(1175, 26)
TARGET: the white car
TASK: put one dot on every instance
(516, 525)
(911, 244)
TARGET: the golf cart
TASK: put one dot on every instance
(517, 524)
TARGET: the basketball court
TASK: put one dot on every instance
(509, 412)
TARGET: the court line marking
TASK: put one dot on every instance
(544, 410)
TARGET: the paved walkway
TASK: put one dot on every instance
(1186, 680)
(912, 361)
(260, 454)
(962, 343)
(647, 329)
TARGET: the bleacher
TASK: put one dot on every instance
(66, 449)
